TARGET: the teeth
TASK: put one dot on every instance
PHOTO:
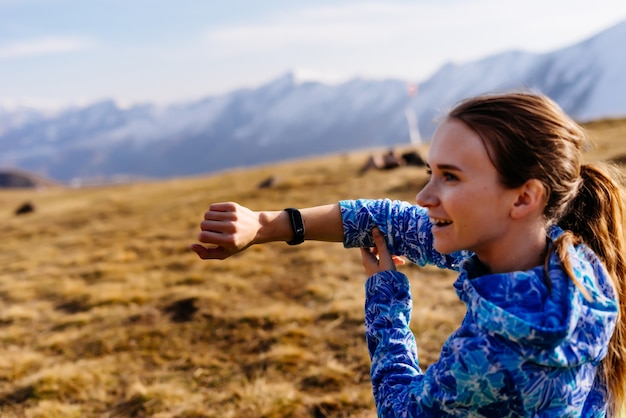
(440, 222)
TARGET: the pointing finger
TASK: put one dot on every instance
(386, 262)
(379, 241)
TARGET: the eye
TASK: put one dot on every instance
(449, 176)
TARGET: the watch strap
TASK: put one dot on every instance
(297, 225)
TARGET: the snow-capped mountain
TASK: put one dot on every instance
(588, 79)
(287, 118)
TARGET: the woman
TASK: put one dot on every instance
(537, 238)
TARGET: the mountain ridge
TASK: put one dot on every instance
(288, 118)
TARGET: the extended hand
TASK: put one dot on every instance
(378, 259)
(228, 228)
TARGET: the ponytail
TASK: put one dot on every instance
(596, 217)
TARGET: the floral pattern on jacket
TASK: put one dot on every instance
(521, 350)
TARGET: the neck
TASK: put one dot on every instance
(517, 255)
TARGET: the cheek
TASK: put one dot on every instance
(471, 210)
(458, 201)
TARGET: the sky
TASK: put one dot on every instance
(61, 52)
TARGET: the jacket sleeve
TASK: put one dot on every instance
(406, 227)
(466, 380)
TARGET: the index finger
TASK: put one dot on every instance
(379, 241)
(384, 257)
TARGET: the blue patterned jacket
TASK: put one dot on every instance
(521, 350)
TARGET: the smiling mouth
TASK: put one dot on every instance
(440, 222)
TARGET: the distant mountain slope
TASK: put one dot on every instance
(286, 119)
(588, 79)
(15, 179)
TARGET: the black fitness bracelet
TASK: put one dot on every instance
(297, 225)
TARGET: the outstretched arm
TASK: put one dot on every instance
(229, 228)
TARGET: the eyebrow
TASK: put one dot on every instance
(450, 167)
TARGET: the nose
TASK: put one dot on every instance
(426, 197)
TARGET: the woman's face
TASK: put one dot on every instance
(466, 203)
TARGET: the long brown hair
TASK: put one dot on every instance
(528, 136)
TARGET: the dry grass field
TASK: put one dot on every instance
(104, 312)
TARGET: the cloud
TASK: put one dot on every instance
(43, 46)
(418, 25)
(370, 39)
(343, 26)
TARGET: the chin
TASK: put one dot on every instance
(445, 246)
(443, 249)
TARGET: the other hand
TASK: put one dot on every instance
(378, 259)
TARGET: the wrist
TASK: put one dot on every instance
(274, 226)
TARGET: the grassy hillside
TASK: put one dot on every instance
(106, 313)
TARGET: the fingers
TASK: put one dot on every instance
(398, 261)
(223, 207)
(226, 211)
(209, 253)
(368, 255)
(378, 259)
(385, 261)
(379, 241)
(227, 228)
(219, 224)
(370, 261)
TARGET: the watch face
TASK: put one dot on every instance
(297, 226)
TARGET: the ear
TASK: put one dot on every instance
(531, 198)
